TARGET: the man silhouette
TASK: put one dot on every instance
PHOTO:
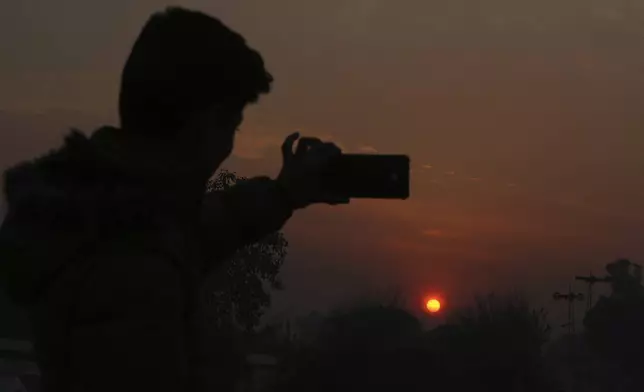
(107, 239)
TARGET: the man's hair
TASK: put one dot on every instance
(185, 61)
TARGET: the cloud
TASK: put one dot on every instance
(326, 137)
(367, 149)
(433, 233)
(608, 14)
(439, 233)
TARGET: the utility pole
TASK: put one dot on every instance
(591, 280)
(571, 297)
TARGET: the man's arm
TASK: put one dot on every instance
(241, 215)
(252, 209)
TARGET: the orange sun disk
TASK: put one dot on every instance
(433, 305)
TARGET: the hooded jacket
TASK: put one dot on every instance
(106, 241)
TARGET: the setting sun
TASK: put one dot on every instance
(433, 305)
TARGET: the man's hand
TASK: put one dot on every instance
(302, 171)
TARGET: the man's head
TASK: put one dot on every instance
(188, 79)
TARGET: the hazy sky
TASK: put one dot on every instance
(523, 120)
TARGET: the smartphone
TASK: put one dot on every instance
(368, 176)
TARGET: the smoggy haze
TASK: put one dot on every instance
(523, 120)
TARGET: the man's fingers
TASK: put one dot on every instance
(287, 146)
(332, 150)
(306, 143)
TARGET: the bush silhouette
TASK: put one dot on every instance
(239, 293)
(614, 325)
(495, 345)
(365, 347)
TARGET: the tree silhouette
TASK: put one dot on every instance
(370, 346)
(614, 325)
(241, 292)
(494, 345)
